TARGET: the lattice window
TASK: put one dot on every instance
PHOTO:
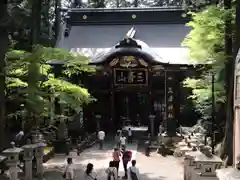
(237, 93)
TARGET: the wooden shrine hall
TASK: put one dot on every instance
(140, 65)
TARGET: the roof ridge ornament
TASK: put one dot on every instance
(131, 33)
(129, 40)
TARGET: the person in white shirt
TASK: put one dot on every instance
(69, 170)
(123, 142)
(117, 139)
(19, 137)
(133, 172)
(129, 135)
(101, 136)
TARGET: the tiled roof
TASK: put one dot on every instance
(96, 41)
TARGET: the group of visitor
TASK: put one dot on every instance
(131, 173)
(126, 157)
(119, 153)
(120, 139)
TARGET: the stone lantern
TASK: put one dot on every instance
(39, 153)
(28, 157)
(12, 155)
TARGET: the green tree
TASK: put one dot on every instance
(206, 40)
(3, 49)
(71, 96)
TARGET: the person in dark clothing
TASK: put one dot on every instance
(126, 157)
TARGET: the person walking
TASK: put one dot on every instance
(19, 136)
(129, 135)
(101, 136)
(69, 170)
(133, 172)
(89, 174)
(116, 158)
(117, 139)
(123, 142)
(126, 157)
(111, 171)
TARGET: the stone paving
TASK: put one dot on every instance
(154, 167)
(157, 167)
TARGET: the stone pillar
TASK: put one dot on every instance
(28, 157)
(39, 153)
(12, 161)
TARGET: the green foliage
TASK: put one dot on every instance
(205, 43)
(202, 94)
(206, 38)
(31, 83)
(74, 64)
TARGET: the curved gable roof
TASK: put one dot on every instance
(161, 42)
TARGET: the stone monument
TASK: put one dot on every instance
(62, 142)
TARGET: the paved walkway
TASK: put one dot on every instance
(154, 167)
(100, 159)
(157, 167)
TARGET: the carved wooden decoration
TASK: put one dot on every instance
(114, 62)
(143, 63)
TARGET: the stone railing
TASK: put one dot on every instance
(201, 165)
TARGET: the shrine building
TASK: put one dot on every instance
(140, 65)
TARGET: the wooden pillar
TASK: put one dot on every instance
(112, 118)
(150, 119)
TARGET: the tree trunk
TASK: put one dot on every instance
(4, 42)
(57, 17)
(117, 3)
(33, 68)
(227, 146)
(36, 21)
